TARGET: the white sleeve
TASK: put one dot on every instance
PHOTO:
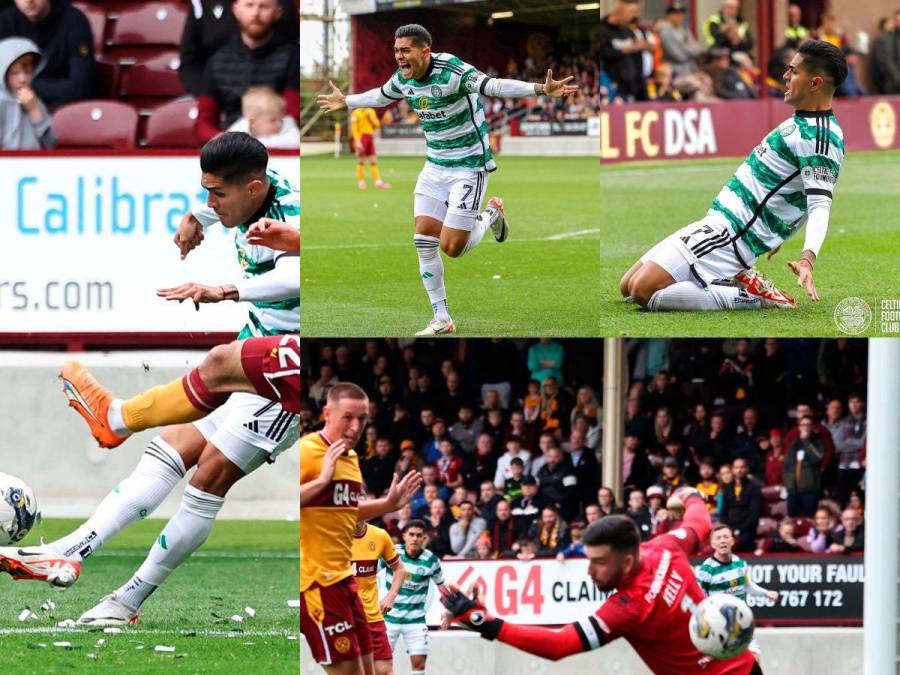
(499, 87)
(280, 283)
(375, 98)
(205, 215)
(818, 212)
(755, 589)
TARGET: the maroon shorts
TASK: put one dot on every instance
(272, 364)
(381, 646)
(334, 623)
(365, 146)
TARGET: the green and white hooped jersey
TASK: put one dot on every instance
(265, 318)
(765, 202)
(410, 604)
(717, 577)
(450, 111)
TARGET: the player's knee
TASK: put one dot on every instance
(214, 368)
(624, 284)
(215, 473)
(641, 291)
(452, 249)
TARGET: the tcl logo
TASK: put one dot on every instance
(345, 493)
(338, 628)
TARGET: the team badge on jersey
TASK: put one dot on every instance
(436, 91)
(788, 130)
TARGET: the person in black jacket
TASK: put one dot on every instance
(742, 506)
(638, 470)
(621, 53)
(209, 26)
(66, 71)
(586, 469)
(558, 483)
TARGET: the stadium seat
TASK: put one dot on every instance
(766, 526)
(148, 23)
(107, 82)
(778, 509)
(155, 76)
(96, 17)
(172, 125)
(802, 527)
(96, 124)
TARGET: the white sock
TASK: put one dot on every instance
(182, 535)
(159, 470)
(417, 672)
(482, 223)
(431, 271)
(115, 420)
(687, 295)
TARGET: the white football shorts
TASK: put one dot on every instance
(415, 637)
(701, 252)
(250, 430)
(452, 196)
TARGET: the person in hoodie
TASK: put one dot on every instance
(64, 37)
(24, 121)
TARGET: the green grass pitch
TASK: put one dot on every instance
(642, 203)
(243, 564)
(576, 228)
(360, 273)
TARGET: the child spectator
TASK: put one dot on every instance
(24, 121)
(262, 116)
(784, 540)
(512, 486)
(576, 546)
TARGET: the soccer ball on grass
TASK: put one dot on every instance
(721, 626)
(18, 509)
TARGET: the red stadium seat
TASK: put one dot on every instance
(172, 125)
(803, 526)
(96, 17)
(156, 76)
(766, 526)
(96, 124)
(148, 23)
(107, 83)
(778, 509)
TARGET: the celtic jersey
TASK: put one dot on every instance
(449, 108)
(718, 577)
(765, 202)
(283, 203)
(410, 604)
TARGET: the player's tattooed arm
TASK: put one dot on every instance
(312, 489)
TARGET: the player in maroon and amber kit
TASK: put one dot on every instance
(655, 592)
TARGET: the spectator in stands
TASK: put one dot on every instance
(482, 465)
(513, 449)
(802, 474)
(636, 422)
(545, 359)
(636, 468)
(421, 503)
(663, 429)
(211, 25)
(379, 469)
(850, 536)
(576, 546)
(466, 429)
(262, 116)
(527, 508)
(25, 123)
(708, 486)
(671, 479)
(488, 500)
(742, 506)
(593, 513)
(466, 530)
(745, 443)
(783, 541)
(585, 467)
(255, 57)
(727, 81)
(795, 33)
(482, 550)
(526, 550)
(679, 47)
(849, 435)
(549, 532)
(559, 484)
(639, 512)
(726, 477)
(606, 502)
(319, 390)
(431, 451)
(661, 85)
(851, 86)
(512, 486)
(408, 461)
(395, 526)
(886, 59)
(822, 534)
(449, 465)
(728, 29)
(587, 407)
(620, 53)
(437, 529)
(656, 498)
(502, 529)
(775, 459)
(63, 35)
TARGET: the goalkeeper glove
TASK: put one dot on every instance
(470, 612)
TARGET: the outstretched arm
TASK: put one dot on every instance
(399, 494)
(336, 100)
(503, 88)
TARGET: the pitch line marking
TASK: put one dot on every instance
(54, 630)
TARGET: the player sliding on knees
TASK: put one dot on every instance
(655, 592)
(786, 181)
(444, 91)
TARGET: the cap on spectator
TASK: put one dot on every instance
(775, 432)
(669, 461)
(655, 491)
(676, 8)
(529, 480)
(406, 443)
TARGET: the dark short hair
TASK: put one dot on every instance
(418, 34)
(467, 501)
(345, 390)
(823, 58)
(517, 461)
(616, 531)
(720, 526)
(414, 523)
(234, 156)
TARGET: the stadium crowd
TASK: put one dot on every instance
(507, 437)
(234, 68)
(631, 58)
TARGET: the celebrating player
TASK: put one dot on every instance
(786, 181)
(724, 572)
(407, 618)
(372, 547)
(363, 122)
(331, 614)
(228, 444)
(655, 592)
(444, 92)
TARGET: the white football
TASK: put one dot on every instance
(721, 626)
(18, 509)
